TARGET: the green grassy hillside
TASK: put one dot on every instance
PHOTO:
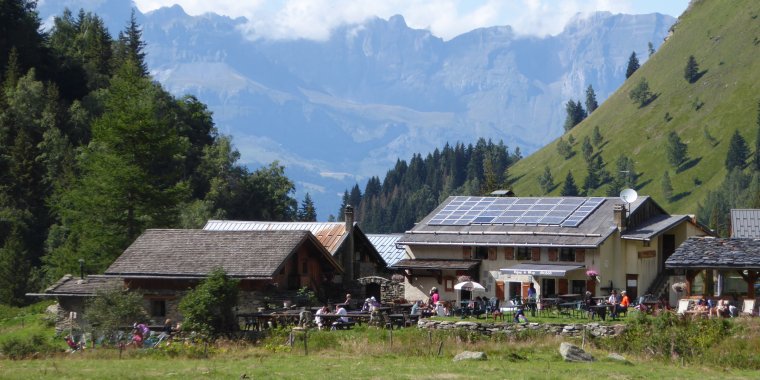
(724, 37)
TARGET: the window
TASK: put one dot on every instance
(578, 287)
(523, 253)
(158, 308)
(448, 284)
(481, 253)
(548, 287)
(567, 254)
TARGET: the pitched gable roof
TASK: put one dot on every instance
(195, 253)
(330, 234)
(70, 286)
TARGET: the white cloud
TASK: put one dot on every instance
(314, 19)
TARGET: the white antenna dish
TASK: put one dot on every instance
(628, 195)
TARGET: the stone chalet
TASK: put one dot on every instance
(507, 244)
(163, 264)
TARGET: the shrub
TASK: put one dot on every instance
(208, 309)
(113, 309)
(21, 348)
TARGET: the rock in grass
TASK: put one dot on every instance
(470, 355)
(618, 358)
(572, 353)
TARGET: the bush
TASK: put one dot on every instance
(669, 336)
(22, 348)
(113, 309)
(208, 309)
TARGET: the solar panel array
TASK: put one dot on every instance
(565, 212)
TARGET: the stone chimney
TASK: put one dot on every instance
(618, 212)
(347, 259)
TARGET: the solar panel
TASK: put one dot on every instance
(566, 212)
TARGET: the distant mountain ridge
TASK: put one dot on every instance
(339, 111)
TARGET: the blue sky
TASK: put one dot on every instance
(314, 19)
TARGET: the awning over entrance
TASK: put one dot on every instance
(544, 270)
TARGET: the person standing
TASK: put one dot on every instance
(434, 296)
(532, 299)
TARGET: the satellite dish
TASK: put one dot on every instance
(628, 195)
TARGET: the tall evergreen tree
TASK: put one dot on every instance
(132, 173)
(345, 201)
(677, 150)
(737, 152)
(591, 104)
(130, 46)
(307, 212)
(596, 137)
(575, 114)
(633, 65)
(757, 141)
(564, 148)
(691, 71)
(624, 177)
(667, 186)
(650, 48)
(569, 188)
(587, 149)
(546, 180)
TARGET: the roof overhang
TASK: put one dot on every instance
(651, 230)
(543, 270)
(433, 264)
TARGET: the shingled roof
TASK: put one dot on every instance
(71, 286)
(195, 253)
(387, 248)
(709, 252)
(745, 223)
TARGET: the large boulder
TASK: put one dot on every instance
(470, 355)
(572, 353)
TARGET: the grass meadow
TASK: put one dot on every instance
(711, 349)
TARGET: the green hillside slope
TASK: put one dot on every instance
(724, 37)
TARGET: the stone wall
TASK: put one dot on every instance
(571, 329)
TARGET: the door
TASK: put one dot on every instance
(668, 247)
(514, 290)
(373, 290)
(632, 286)
(500, 290)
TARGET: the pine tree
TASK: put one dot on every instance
(587, 149)
(569, 188)
(546, 180)
(592, 178)
(307, 212)
(737, 152)
(633, 65)
(691, 71)
(591, 103)
(596, 137)
(130, 46)
(575, 114)
(757, 141)
(667, 186)
(345, 201)
(650, 48)
(564, 149)
(640, 93)
(677, 150)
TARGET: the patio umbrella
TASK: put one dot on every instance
(469, 286)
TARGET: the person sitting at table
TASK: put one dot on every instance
(374, 304)
(319, 320)
(349, 303)
(340, 310)
(520, 314)
(366, 306)
(415, 308)
(613, 300)
(721, 309)
(622, 307)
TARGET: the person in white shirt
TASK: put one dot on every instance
(320, 322)
(343, 319)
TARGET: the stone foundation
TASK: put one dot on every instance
(571, 329)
